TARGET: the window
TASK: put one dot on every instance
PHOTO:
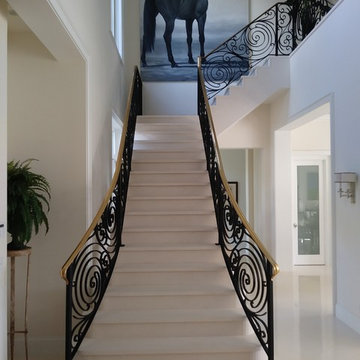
(116, 23)
(116, 138)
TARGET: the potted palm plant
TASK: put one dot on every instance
(307, 13)
(28, 203)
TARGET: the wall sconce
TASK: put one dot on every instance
(348, 180)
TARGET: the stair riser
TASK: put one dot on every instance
(168, 145)
(140, 330)
(169, 166)
(183, 190)
(170, 277)
(146, 221)
(203, 356)
(171, 256)
(170, 205)
(166, 178)
(165, 238)
(170, 156)
(168, 135)
(148, 119)
(178, 302)
(166, 127)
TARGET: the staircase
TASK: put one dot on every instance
(170, 296)
(262, 83)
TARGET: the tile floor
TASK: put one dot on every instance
(305, 328)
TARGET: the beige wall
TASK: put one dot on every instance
(65, 83)
(46, 121)
(91, 22)
(3, 182)
(250, 132)
(313, 136)
(235, 167)
(253, 132)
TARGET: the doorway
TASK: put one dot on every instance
(311, 189)
(309, 214)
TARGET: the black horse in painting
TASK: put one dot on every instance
(188, 10)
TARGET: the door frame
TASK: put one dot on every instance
(322, 159)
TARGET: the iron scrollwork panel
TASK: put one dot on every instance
(247, 267)
(90, 272)
(278, 31)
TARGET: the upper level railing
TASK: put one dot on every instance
(277, 32)
(250, 265)
(88, 270)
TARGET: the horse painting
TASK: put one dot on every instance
(170, 10)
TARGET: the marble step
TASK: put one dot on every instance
(165, 219)
(172, 155)
(165, 119)
(167, 135)
(174, 236)
(154, 177)
(169, 296)
(135, 254)
(169, 165)
(170, 203)
(168, 323)
(174, 348)
(174, 144)
(184, 273)
(167, 126)
(170, 189)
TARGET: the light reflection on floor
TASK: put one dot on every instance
(305, 328)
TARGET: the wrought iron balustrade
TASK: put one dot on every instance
(277, 32)
(88, 270)
(250, 266)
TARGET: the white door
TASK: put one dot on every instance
(308, 212)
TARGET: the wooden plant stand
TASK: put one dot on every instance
(12, 254)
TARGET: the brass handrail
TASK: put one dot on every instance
(103, 205)
(275, 266)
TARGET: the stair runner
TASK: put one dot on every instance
(170, 295)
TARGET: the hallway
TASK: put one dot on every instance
(305, 328)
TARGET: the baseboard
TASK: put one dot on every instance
(348, 318)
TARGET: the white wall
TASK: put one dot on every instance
(3, 177)
(257, 7)
(314, 78)
(170, 98)
(131, 31)
(46, 121)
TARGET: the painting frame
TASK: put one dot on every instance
(234, 187)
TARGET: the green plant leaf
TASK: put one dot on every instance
(28, 202)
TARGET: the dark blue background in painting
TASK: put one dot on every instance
(224, 18)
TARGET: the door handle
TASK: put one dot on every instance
(295, 225)
(2, 225)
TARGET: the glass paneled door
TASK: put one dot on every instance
(308, 215)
